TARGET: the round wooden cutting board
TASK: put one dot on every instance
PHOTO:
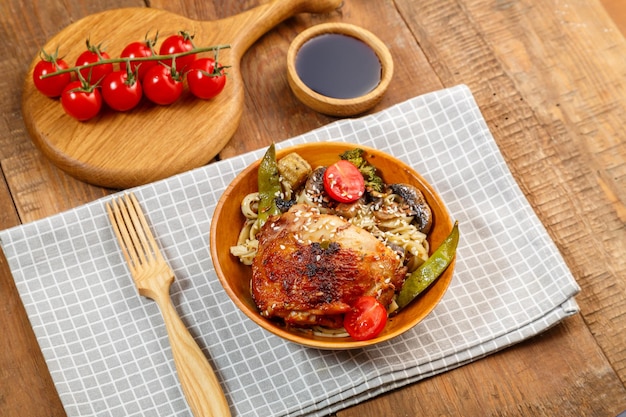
(150, 142)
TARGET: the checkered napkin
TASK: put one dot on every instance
(107, 349)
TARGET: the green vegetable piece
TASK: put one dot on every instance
(372, 180)
(430, 270)
(269, 186)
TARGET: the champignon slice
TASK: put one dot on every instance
(314, 187)
(416, 201)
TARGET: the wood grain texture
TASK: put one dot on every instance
(35, 179)
(26, 388)
(268, 92)
(528, 380)
(549, 77)
(150, 142)
(562, 139)
(617, 11)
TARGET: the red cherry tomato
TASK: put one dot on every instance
(366, 319)
(120, 91)
(161, 86)
(344, 182)
(79, 102)
(138, 50)
(51, 86)
(174, 44)
(204, 80)
(92, 55)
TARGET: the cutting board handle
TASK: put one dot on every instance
(263, 18)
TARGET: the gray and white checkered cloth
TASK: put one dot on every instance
(107, 349)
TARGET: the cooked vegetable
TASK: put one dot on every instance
(416, 202)
(366, 319)
(343, 182)
(294, 170)
(430, 270)
(269, 185)
(372, 181)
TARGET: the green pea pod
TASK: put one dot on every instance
(269, 186)
(430, 270)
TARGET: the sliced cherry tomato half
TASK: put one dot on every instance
(366, 319)
(344, 182)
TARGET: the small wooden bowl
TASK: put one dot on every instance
(336, 106)
(235, 276)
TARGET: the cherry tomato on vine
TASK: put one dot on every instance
(161, 86)
(366, 319)
(174, 44)
(80, 101)
(344, 182)
(92, 55)
(120, 91)
(51, 86)
(204, 80)
(138, 50)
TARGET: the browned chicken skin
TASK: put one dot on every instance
(311, 267)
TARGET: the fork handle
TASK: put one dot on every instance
(200, 385)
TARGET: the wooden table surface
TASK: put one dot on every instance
(550, 79)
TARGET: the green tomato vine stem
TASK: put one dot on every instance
(140, 59)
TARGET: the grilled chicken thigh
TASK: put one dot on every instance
(311, 267)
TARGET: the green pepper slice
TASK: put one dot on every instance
(430, 270)
(269, 186)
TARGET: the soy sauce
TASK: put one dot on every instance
(338, 66)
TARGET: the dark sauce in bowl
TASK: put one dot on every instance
(338, 66)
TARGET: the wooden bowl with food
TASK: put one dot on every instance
(330, 245)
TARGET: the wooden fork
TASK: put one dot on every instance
(153, 277)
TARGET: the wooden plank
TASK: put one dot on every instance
(528, 380)
(43, 189)
(27, 388)
(562, 138)
(26, 384)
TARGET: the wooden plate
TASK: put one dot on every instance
(121, 150)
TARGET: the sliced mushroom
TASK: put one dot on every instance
(417, 203)
(314, 188)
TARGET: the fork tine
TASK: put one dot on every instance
(135, 230)
(140, 224)
(122, 234)
(132, 231)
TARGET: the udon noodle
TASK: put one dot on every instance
(382, 219)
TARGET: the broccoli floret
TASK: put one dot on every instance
(355, 156)
(372, 180)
